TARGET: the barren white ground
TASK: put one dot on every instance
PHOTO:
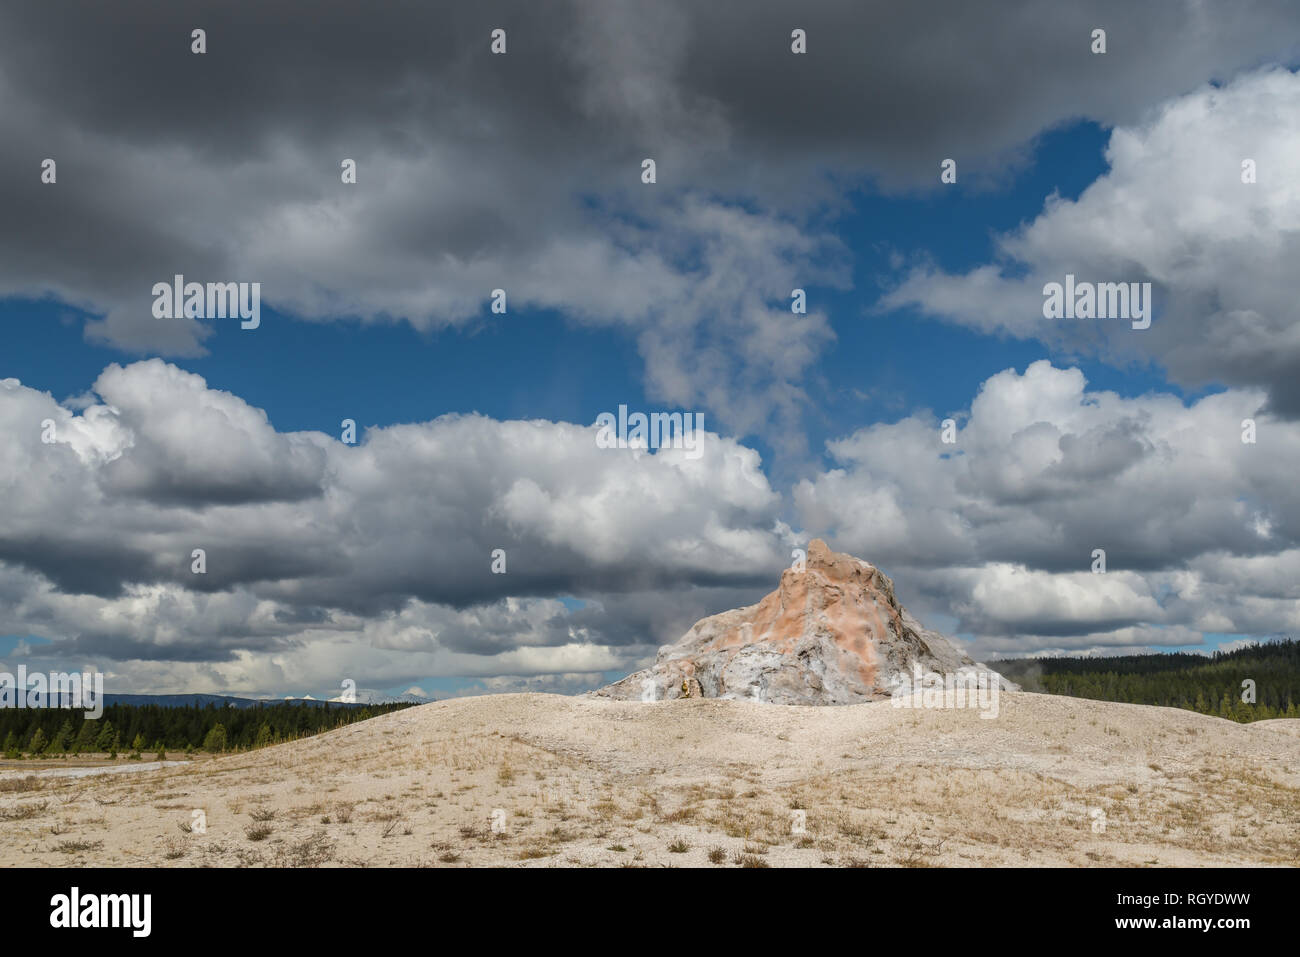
(545, 780)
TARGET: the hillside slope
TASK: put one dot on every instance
(1052, 780)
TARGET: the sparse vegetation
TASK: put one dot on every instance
(311, 851)
(78, 847)
(21, 812)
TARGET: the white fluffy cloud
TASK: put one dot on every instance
(322, 556)
(999, 528)
(1173, 211)
(326, 561)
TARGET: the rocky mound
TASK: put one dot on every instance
(831, 633)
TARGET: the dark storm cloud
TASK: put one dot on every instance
(645, 619)
(119, 647)
(80, 565)
(900, 80)
(890, 89)
(366, 587)
(478, 171)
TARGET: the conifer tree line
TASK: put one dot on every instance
(1208, 684)
(149, 730)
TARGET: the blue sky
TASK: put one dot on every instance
(534, 364)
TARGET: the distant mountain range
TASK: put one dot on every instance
(378, 697)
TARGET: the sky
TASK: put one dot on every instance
(131, 440)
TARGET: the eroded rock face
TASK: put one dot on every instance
(832, 633)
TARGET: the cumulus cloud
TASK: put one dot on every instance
(999, 528)
(385, 546)
(1173, 211)
(383, 572)
(193, 445)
